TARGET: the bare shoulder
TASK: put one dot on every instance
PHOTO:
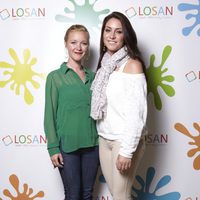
(133, 67)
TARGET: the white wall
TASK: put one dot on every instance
(33, 31)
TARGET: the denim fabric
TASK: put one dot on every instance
(79, 173)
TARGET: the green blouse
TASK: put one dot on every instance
(67, 120)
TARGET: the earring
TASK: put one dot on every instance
(66, 53)
(125, 48)
(104, 48)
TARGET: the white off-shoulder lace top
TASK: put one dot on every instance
(126, 110)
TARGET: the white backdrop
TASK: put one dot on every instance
(31, 45)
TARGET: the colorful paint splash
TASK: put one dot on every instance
(102, 179)
(83, 14)
(25, 195)
(156, 78)
(195, 150)
(20, 74)
(194, 16)
(145, 185)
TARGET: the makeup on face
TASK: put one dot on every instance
(113, 35)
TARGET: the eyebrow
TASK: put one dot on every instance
(113, 27)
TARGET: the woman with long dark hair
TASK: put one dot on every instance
(119, 104)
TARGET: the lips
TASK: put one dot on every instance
(112, 42)
(79, 53)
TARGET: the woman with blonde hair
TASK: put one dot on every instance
(71, 132)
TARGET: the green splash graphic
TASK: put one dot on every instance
(156, 78)
(83, 14)
(20, 74)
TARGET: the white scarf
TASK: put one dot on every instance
(108, 65)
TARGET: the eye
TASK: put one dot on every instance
(107, 30)
(119, 32)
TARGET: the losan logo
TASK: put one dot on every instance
(22, 13)
(192, 76)
(27, 193)
(156, 139)
(150, 11)
(193, 198)
(24, 140)
(102, 198)
(4, 14)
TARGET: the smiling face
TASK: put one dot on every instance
(77, 44)
(113, 36)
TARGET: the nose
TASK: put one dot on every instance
(78, 46)
(112, 34)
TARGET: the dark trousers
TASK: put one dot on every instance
(79, 173)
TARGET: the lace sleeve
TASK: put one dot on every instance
(135, 112)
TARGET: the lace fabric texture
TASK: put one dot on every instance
(108, 64)
(126, 111)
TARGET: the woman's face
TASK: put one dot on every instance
(77, 45)
(113, 36)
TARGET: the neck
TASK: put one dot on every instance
(76, 66)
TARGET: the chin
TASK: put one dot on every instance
(114, 49)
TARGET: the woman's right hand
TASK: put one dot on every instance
(123, 163)
(57, 160)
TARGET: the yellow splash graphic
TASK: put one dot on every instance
(195, 142)
(25, 195)
(20, 74)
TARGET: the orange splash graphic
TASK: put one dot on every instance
(195, 142)
(25, 195)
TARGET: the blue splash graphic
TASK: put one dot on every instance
(102, 179)
(191, 7)
(82, 14)
(143, 193)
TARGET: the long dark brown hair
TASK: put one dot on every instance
(130, 38)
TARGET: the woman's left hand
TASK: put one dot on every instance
(123, 163)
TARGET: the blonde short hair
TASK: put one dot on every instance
(76, 27)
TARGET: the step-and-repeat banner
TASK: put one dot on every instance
(32, 45)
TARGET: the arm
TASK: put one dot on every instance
(51, 103)
(135, 111)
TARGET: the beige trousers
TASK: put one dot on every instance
(119, 184)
